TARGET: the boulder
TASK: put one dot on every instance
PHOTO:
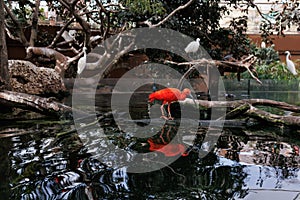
(28, 78)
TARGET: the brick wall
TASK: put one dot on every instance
(289, 42)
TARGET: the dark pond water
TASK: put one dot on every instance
(279, 90)
(43, 159)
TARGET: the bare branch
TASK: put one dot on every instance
(272, 118)
(259, 12)
(84, 24)
(148, 23)
(61, 60)
(21, 34)
(61, 32)
(225, 66)
(34, 25)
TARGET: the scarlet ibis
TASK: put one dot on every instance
(290, 64)
(82, 61)
(169, 95)
(193, 46)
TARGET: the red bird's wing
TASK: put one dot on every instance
(166, 95)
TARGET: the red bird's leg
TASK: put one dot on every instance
(163, 112)
(169, 111)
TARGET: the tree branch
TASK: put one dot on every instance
(259, 12)
(223, 66)
(148, 23)
(54, 41)
(35, 103)
(21, 35)
(61, 60)
(34, 25)
(245, 107)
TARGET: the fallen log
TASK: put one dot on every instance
(287, 120)
(237, 103)
(246, 108)
(45, 106)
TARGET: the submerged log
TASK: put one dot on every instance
(288, 120)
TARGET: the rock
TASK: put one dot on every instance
(28, 78)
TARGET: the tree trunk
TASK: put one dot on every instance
(34, 25)
(4, 74)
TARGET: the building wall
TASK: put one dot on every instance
(254, 18)
(289, 42)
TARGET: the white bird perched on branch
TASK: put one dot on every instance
(67, 37)
(72, 33)
(82, 61)
(290, 65)
(192, 47)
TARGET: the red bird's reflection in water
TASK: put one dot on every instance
(168, 150)
(161, 142)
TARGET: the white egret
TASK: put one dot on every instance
(290, 65)
(67, 37)
(82, 61)
(52, 14)
(72, 33)
(263, 45)
(192, 47)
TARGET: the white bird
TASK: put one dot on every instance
(72, 33)
(82, 61)
(67, 37)
(263, 45)
(290, 65)
(52, 14)
(192, 47)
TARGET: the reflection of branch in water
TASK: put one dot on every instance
(276, 189)
(172, 170)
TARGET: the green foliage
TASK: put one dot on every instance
(23, 14)
(140, 10)
(144, 7)
(269, 66)
(41, 14)
(277, 21)
(231, 40)
(266, 56)
(201, 20)
(275, 70)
